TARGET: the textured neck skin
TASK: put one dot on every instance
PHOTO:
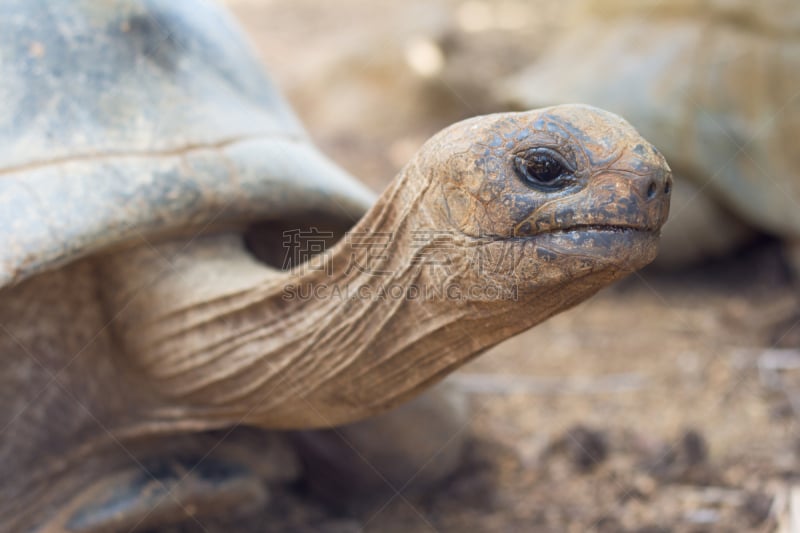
(317, 346)
(275, 355)
(211, 337)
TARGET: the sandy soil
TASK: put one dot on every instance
(649, 407)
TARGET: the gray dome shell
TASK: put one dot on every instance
(128, 119)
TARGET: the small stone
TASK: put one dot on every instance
(757, 507)
(695, 448)
(587, 448)
(645, 485)
(703, 516)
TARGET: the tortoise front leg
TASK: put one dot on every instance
(183, 480)
(410, 449)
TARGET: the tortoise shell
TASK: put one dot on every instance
(125, 120)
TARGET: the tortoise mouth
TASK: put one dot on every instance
(628, 247)
(586, 228)
(605, 228)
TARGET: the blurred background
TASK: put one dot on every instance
(663, 404)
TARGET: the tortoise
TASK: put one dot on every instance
(151, 174)
(714, 85)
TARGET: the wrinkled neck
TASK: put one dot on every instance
(220, 339)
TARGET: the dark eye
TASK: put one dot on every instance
(543, 168)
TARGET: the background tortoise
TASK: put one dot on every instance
(140, 142)
(714, 85)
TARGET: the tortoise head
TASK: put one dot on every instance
(547, 196)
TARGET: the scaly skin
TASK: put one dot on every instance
(205, 337)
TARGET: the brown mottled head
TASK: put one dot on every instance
(550, 195)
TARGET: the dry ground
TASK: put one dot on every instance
(643, 409)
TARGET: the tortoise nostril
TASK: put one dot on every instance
(651, 190)
(668, 187)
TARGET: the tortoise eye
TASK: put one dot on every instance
(543, 168)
